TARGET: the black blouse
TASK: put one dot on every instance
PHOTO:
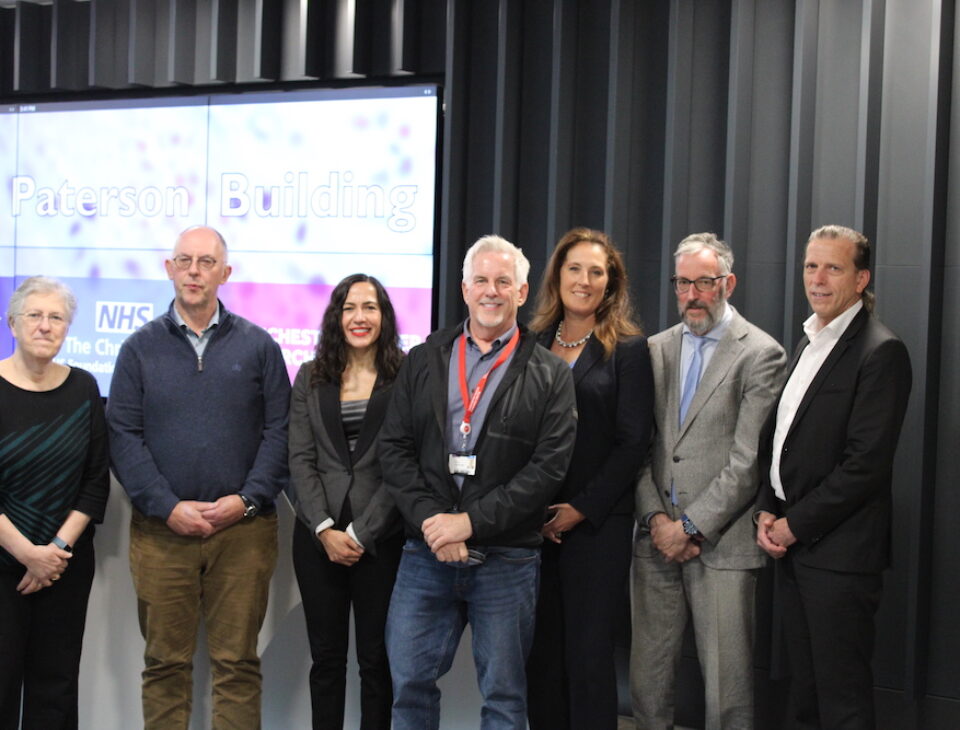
(53, 456)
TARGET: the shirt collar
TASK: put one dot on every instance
(836, 326)
(214, 320)
(497, 343)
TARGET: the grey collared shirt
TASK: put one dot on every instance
(200, 341)
(477, 364)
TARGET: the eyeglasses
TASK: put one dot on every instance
(184, 262)
(55, 319)
(704, 284)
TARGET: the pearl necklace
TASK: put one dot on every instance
(571, 344)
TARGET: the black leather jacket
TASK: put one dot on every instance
(523, 449)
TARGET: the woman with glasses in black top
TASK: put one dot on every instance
(54, 483)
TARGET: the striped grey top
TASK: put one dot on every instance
(351, 416)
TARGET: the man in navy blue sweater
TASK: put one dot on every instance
(198, 438)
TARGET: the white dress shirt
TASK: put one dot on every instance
(822, 342)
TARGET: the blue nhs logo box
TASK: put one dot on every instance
(123, 317)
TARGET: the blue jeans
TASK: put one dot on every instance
(431, 604)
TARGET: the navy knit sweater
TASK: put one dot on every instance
(181, 431)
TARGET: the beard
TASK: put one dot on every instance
(488, 319)
(711, 314)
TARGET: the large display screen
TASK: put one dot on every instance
(306, 187)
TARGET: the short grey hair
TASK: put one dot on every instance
(41, 285)
(697, 242)
(521, 266)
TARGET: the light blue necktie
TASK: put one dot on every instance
(692, 380)
(690, 384)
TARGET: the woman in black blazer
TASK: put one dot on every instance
(585, 317)
(348, 535)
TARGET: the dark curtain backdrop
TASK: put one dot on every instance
(756, 119)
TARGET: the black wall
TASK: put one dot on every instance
(757, 119)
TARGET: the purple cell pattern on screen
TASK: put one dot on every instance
(112, 259)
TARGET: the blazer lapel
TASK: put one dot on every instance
(592, 354)
(372, 420)
(798, 350)
(853, 329)
(727, 352)
(328, 396)
(670, 367)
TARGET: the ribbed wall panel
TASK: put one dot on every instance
(757, 119)
(32, 44)
(69, 62)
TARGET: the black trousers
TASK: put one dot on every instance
(571, 676)
(41, 636)
(828, 622)
(328, 590)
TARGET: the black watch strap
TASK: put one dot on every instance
(250, 509)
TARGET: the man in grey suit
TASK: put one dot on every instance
(716, 376)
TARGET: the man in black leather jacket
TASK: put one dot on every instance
(474, 447)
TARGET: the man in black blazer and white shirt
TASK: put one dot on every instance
(826, 458)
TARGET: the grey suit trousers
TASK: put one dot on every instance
(721, 604)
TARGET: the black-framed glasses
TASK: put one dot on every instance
(184, 262)
(704, 284)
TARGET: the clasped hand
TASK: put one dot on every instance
(193, 518)
(774, 535)
(565, 518)
(340, 547)
(45, 564)
(446, 535)
(668, 537)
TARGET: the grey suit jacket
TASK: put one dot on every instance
(322, 469)
(712, 458)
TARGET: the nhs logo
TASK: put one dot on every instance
(122, 317)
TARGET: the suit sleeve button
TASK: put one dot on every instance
(676, 459)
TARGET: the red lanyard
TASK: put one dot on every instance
(470, 401)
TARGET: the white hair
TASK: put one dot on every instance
(521, 266)
(41, 285)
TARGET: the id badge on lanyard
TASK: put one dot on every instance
(463, 462)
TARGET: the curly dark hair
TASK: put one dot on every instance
(330, 358)
(615, 316)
